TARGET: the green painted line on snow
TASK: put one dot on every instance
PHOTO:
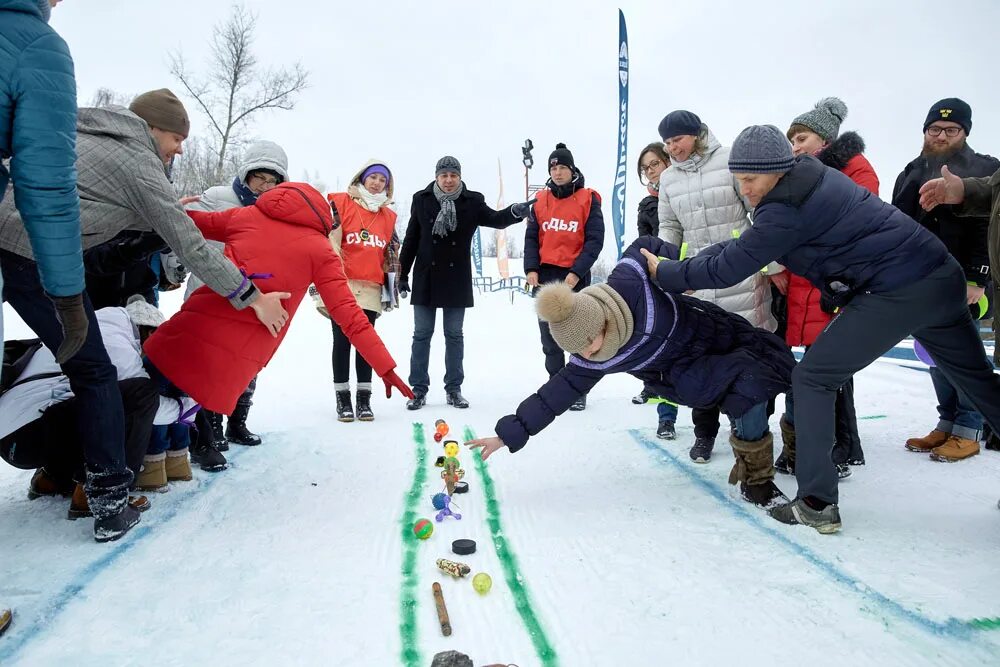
(409, 652)
(508, 561)
(985, 623)
(874, 417)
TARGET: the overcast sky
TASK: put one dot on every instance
(408, 82)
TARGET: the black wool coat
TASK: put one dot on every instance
(442, 265)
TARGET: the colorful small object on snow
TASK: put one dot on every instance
(482, 583)
(445, 508)
(453, 568)
(440, 501)
(423, 529)
(451, 448)
(440, 430)
(461, 487)
(922, 354)
(451, 474)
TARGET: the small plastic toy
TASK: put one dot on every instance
(442, 611)
(482, 583)
(445, 501)
(451, 448)
(453, 568)
(423, 529)
(440, 430)
(439, 462)
(451, 473)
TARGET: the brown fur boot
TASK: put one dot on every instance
(754, 470)
(153, 476)
(178, 467)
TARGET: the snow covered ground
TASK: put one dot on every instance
(611, 547)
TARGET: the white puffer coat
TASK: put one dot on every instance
(700, 205)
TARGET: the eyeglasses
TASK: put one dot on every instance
(651, 166)
(266, 180)
(936, 130)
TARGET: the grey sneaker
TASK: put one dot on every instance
(825, 521)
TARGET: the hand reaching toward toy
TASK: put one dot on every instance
(488, 445)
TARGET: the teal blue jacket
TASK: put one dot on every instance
(38, 134)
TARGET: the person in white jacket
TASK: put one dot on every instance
(38, 424)
(264, 165)
(700, 205)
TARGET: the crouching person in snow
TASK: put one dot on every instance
(38, 412)
(876, 264)
(211, 352)
(684, 349)
(369, 248)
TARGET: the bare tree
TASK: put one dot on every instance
(105, 97)
(197, 169)
(236, 86)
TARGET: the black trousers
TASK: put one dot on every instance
(53, 440)
(933, 310)
(555, 358)
(342, 355)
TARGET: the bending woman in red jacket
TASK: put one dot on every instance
(817, 132)
(281, 242)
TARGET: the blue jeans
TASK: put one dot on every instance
(752, 425)
(171, 437)
(454, 348)
(92, 377)
(956, 415)
(666, 412)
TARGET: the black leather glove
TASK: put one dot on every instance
(404, 287)
(73, 318)
(521, 210)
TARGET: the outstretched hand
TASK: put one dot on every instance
(270, 312)
(652, 261)
(488, 445)
(949, 189)
(392, 380)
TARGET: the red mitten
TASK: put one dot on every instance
(392, 380)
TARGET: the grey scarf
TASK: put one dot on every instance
(447, 218)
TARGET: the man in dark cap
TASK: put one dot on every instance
(870, 260)
(444, 217)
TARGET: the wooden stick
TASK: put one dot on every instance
(441, 610)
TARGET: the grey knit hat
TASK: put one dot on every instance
(761, 149)
(825, 118)
(446, 164)
(142, 313)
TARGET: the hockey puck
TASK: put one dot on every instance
(461, 487)
(463, 547)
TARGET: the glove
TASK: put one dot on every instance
(392, 380)
(141, 247)
(521, 210)
(404, 287)
(73, 318)
(173, 271)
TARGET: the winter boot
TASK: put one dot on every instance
(153, 476)
(786, 461)
(456, 399)
(110, 528)
(178, 468)
(579, 405)
(643, 396)
(5, 618)
(364, 401)
(826, 520)
(345, 411)
(418, 401)
(218, 436)
(43, 484)
(79, 508)
(754, 470)
(955, 449)
(925, 444)
(666, 430)
(992, 441)
(843, 470)
(207, 457)
(236, 428)
(701, 451)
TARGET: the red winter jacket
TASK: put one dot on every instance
(211, 351)
(806, 320)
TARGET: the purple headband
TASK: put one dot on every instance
(376, 169)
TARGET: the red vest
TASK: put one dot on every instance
(561, 224)
(366, 237)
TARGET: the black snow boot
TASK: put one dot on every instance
(364, 400)
(206, 455)
(666, 430)
(418, 401)
(111, 528)
(237, 431)
(701, 451)
(456, 399)
(218, 436)
(766, 495)
(345, 411)
(579, 405)
(643, 396)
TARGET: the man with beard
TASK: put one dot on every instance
(946, 129)
(564, 236)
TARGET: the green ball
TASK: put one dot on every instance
(423, 529)
(482, 583)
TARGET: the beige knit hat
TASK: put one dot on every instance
(576, 318)
(161, 108)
